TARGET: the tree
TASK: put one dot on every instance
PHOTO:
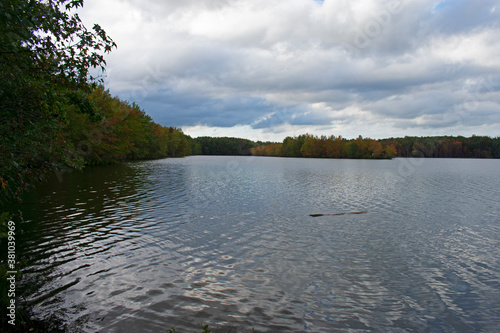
(46, 39)
(308, 148)
(45, 56)
(390, 151)
(351, 150)
(225, 146)
(376, 149)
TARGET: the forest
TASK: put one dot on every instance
(54, 112)
(225, 146)
(307, 145)
(90, 128)
(338, 147)
(116, 130)
(445, 146)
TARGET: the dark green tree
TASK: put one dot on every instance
(46, 54)
(225, 146)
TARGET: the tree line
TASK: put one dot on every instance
(445, 146)
(117, 130)
(89, 128)
(224, 146)
(308, 145)
(338, 147)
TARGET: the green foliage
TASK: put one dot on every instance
(326, 147)
(292, 146)
(45, 56)
(363, 148)
(445, 146)
(225, 146)
(52, 115)
(124, 132)
(49, 41)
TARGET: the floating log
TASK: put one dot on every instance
(335, 214)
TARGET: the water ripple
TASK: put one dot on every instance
(228, 240)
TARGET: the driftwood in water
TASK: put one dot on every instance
(316, 215)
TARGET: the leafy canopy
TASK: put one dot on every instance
(48, 36)
(46, 54)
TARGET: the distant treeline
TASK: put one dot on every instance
(327, 147)
(361, 148)
(445, 146)
(225, 146)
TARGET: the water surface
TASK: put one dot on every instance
(228, 241)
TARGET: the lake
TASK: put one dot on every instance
(228, 241)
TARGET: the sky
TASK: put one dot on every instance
(265, 70)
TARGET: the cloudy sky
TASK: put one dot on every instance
(265, 70)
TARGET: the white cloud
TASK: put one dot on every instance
(474, 47)
(386, 68)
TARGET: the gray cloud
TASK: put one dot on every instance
(426, 67)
